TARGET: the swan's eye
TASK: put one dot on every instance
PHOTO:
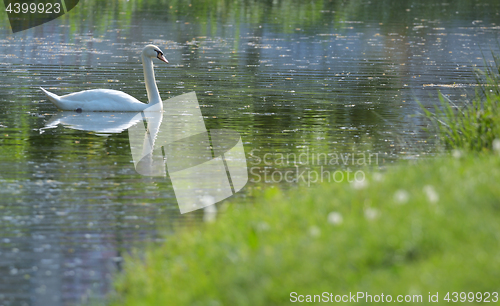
(158, 52)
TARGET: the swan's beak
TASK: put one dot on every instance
(162, 58)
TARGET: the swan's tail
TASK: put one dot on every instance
(52, 97)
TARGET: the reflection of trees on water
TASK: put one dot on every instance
(288, 14)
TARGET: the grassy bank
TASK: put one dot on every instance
(429, 227)
(475, 125)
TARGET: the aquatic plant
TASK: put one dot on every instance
(475, 125)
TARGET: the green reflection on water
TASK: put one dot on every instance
(288, 15)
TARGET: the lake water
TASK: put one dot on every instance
(326, 77)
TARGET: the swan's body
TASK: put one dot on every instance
(108, 100)
(97, 100)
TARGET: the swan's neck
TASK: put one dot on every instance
(149, 79)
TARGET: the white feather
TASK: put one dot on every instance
(108, 100)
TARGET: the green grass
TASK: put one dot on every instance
(433, 226)
(476, 125)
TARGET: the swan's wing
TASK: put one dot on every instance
(101, 100)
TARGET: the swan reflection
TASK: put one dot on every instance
(104, 122)
(205, 167)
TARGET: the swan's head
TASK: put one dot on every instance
(153, 51)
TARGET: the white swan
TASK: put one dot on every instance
(108, 100)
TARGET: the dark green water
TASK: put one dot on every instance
(326, 77)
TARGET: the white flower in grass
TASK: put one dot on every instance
(314, 231)
(371, 213)
(335, 218)
(209, 213)
(401, 196)
(431, 194)
(361, 184)
(457, 153)
(496, 146)
(263, 227)
(377, 176)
